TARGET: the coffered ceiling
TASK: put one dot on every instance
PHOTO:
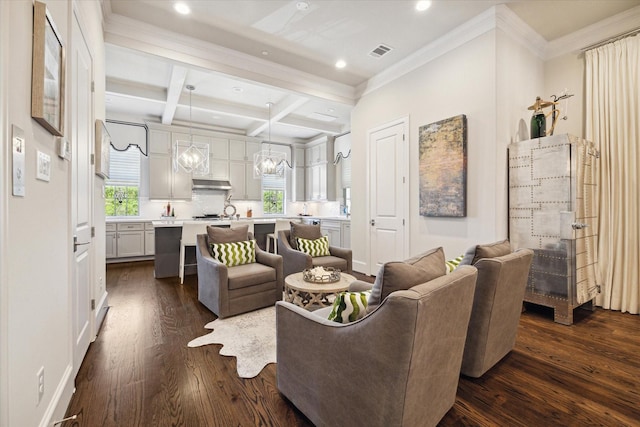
(241, 54)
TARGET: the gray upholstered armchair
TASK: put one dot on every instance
(398, 365)
(228, 291)
(296, 261)
(497, 305)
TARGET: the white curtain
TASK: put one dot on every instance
(613, 124)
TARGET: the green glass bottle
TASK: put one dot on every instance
(538, 124)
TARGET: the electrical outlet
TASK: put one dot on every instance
(40, 378)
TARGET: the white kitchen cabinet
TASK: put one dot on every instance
(320, 175)
(110, 240)
(300, 184)
(243, 185)
(126, 239)
(164, 182)
(218, 157)
(243, 150)
(333, 231)
(346, 234)
(149, 239)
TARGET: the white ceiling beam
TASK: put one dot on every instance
(278, 111)
(176, 83)
(324, 127)
(140, 91)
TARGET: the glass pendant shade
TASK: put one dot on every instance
(269, 163)
(192, 157)
(188, 156)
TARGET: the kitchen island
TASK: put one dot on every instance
(169, 232)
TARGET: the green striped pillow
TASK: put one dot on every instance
(236, 253)
(315, 248)
(349, 306)
(453, 263)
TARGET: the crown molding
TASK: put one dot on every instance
(499, 16)
(132, 34)
(600, 31)
(520, 31)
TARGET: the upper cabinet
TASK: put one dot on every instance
(164, 182)
(320, 173)
(244, 186)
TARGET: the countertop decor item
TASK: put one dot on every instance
(321, 275)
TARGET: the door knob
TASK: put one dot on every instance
(373, 222)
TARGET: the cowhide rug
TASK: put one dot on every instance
(249, 337)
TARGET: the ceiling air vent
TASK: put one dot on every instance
(380, 50)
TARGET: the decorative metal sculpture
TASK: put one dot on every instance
(539, 118)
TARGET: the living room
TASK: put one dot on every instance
(491, 76)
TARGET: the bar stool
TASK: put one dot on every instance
(281, 224)
(188, 238)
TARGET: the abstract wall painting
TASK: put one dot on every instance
(443, 168)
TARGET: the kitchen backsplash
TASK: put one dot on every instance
(214, 204)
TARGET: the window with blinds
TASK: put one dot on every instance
(122, 188)
(274, 187)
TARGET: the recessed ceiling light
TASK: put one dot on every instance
(423, 5)
(340, 63)
(182, 8)
(265, 52)
(302, 5)
(237, 89)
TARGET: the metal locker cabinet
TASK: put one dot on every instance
(553, 211)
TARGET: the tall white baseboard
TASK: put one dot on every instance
(60, 401)
(100, 313)
(360, 266)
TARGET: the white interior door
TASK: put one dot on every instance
(388, 194)
(81, 192)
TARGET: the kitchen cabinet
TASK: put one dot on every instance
(299, 179)
(333, 231)
(320, 173)
(164, 182)
(243, 185)
(218, 156)
(149, 239)
(110, 250)
(346, 234)
(126, 239)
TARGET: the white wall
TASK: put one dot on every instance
(568, 71)
(492, 80)
(36, 285)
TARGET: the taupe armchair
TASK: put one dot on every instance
(397, 366)
(228, 291)
(497, 306)
(296, 261)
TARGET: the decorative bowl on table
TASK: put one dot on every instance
(321, 275)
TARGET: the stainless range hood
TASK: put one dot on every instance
(210, 185)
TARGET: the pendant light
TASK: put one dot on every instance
(189, 156)
(267, 163)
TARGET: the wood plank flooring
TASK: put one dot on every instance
(140, 372)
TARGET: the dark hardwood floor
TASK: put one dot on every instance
(140, 372)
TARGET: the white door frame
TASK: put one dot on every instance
(405, 196)
(5, 21)
(76, 25)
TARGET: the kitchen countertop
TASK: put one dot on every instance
(265, 220)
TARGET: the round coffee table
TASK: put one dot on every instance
(308, 294)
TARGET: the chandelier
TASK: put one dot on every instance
(267, 163)
(189, 156)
